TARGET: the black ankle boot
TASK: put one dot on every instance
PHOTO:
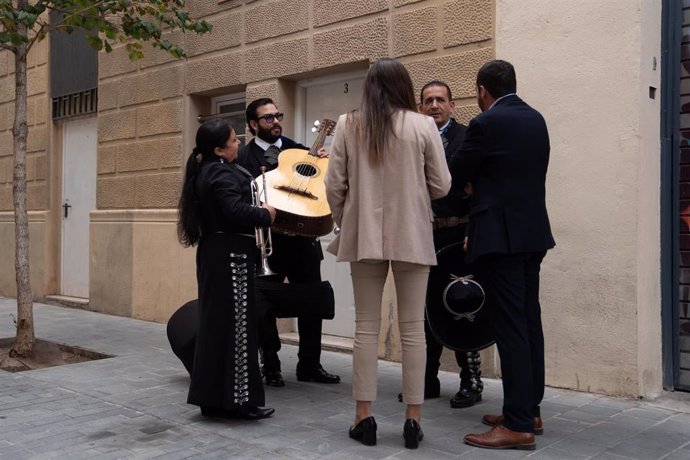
(412, 433)
(365, 431)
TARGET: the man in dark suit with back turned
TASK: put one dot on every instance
(450, 219)
(297, 258)
(504, 158)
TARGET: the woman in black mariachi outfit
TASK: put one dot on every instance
(216, 212)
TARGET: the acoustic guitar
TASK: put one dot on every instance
(296, 188)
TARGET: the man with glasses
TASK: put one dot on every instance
(297, 258)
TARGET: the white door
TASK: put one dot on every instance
(329, 98)
(78, 199)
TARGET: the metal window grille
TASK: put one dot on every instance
(75, 104)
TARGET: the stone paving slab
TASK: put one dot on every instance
(133, 406)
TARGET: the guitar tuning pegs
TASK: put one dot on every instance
(314, 129)
(317, 123)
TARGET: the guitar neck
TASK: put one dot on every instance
(318, 143)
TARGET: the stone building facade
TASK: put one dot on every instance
(584, 65)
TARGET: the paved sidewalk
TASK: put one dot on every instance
(133, 406)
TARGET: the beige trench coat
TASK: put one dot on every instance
(384, 210)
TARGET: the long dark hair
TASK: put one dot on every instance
(387, 89)
(211, 134)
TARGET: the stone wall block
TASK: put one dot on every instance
(41, 49)
(30, 169)
(154, 57)
(262, 90)
(277, 59)
(138, 88)
(37, 196)
(37, 139)
(227, 32)
(201, 8)
(216, 72)
(464, 113)
(107, 159)
(117, 125)
(467, 21)
(130, 158)
(41, 110)
(171, 80)
(368, 40)
(6, 203)
(7, 88)
(6, 115)
(167, 152)
(414, 32)
(160, 118)
(107, 94)
(116, 62)
(459, 70)
(6, 143)
(277, 18)
(6, 63)
(158, 190)
(37, 80)
(5, 171)
(115, 192)
(331, 11)
(41, 167)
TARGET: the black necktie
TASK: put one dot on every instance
(271, 155)
(444, 138)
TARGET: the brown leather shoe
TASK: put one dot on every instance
(500, 437)
(495, 420)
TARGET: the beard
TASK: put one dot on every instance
(270, 135)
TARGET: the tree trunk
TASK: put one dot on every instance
(24, 341)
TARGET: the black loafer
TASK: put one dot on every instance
(318, 375)
(274, 378)
(364, 431)
(465, 398)
(412, 433)
(252, 412)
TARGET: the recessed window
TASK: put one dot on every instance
(232, 107)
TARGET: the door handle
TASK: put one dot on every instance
(66, 207)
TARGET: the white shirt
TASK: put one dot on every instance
(265, 145)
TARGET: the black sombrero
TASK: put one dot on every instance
(456, 307)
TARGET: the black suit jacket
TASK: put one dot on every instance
(454, 204)
(505, 155)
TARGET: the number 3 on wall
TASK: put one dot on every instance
(346, 88)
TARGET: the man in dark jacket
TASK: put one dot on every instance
(505, 157)
(450, 219)
(297, 258)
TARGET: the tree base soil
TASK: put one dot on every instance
(45, 354)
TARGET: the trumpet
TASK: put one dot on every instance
(263, 235)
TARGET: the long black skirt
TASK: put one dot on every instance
(226, 367)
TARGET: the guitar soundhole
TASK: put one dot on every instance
(306, 169)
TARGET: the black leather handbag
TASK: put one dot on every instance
(299, 299)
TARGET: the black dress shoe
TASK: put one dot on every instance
(465, 398)
(364, 431)
(318, 375)
(210, 411)
(412, 433)
(251, 412)
(274, 378)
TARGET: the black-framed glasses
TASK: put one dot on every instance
(270, 117)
